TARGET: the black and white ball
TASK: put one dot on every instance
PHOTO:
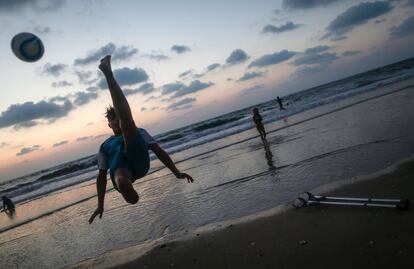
(27, 47)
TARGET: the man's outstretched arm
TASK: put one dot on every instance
(166, 160)
(101, 189)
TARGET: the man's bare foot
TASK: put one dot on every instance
(105, 65)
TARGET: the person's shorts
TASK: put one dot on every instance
(134, 157)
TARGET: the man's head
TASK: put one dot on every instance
(113, 120)
(255, 110)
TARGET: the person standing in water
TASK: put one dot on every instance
(125, 153)
(8, 205)
(279, 100)
(257, 118)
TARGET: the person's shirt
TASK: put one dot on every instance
(110, 147)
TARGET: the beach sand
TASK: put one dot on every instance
(310, 237)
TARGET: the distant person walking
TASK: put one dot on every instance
(8, 205)
(257, 118)
(279, 100)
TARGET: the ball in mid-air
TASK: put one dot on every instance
(27, 47)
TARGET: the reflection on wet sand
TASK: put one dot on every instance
(269, 155)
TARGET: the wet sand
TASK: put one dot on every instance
(311, 237)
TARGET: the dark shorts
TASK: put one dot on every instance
(135, 158)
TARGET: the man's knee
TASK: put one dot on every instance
(127, 190)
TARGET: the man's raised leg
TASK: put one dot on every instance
(119, 101)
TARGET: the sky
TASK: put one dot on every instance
(178, 62)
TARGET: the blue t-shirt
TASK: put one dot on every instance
(112, 154)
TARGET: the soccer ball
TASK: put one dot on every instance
(27, 47)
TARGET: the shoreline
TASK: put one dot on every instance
(285, 237)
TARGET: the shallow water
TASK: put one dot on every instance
(353, 137)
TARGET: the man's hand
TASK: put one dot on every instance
(99, 211)
(184, 175)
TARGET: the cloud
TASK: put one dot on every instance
(13, 6)
(84, 77)
(354, 16)
(274, 58)
(308, 70)
(26, 113)
(126, 76)
(150, 98)
(83, 138)
(409, 3)
(250, 75)
(305, 4)
(180, 49)
(62, 83)
(185, 73)
(144, 89)
(53, 69)
(211, 67)
(194, 86)
(61, 143)
(24, 125)
(404, 3)
(314, 60)
(118, 54)
(236, 57)
(317, 49)
(171, 87)
(92, 89)
(351, 52)
(179, 89)
(314, 56)
(27, 150)
(182, 104)
(404, 29)
(78, 98)
(157, 56)
(143, 109)
(82, 98)
(123, 53)
(289, 26)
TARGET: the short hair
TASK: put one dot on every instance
(110, 113)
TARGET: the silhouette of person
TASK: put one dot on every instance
(8, 205)
(279, 100)
(257, 118)
(125, 153)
